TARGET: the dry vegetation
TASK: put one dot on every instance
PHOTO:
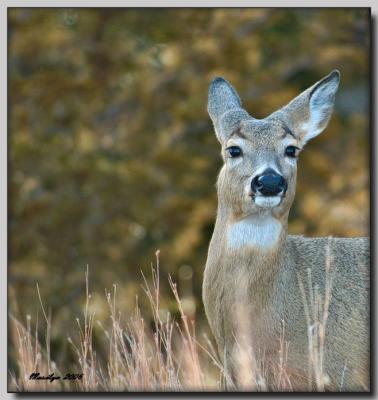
(84, 84)
(168, 357)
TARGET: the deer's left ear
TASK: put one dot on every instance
(308, 114)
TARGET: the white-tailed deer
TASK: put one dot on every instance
(300, 305)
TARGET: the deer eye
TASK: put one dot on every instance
(291, 151)
(234, 151)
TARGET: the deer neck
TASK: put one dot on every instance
(254, 243)
(262, 234)
(255, 247)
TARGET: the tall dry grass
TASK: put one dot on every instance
(168, 357)
(316, 309)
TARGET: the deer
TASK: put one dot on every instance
(269, 291)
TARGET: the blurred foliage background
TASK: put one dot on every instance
(112, 154)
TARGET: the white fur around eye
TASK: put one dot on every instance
(233, 161)
(290, 142)
(291, 160)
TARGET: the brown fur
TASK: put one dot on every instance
(247, 269)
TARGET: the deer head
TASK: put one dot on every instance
(260, 155)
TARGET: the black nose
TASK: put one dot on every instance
(269, 183)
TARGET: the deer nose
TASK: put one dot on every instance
(269, 183)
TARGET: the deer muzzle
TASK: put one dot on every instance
(269, 183)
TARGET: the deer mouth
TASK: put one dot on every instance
(267, 201)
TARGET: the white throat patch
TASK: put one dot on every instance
(258, 232)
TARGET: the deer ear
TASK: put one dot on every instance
(310, 112)
(224, 108)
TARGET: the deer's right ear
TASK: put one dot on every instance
(310, 112)
(224, 108)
